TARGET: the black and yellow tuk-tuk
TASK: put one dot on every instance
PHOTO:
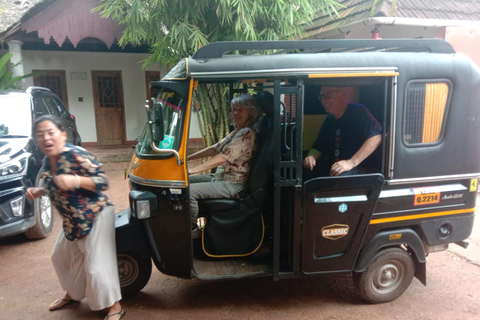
(379, 227)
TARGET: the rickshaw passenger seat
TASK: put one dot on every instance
(260, 169)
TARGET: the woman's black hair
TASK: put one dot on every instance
(56, 121)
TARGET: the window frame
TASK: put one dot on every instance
(441, 137)
(177, 144)
(41, 81)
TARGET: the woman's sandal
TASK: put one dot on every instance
(60, 303)
(121, 313)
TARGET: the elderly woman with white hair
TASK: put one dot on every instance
(232, 156)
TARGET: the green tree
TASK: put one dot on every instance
(175, 29)
(7, 81)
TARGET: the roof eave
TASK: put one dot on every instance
(392, 21)
(4, 36)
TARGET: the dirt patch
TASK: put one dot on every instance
(28, 284)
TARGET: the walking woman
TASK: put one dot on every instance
(84, 255)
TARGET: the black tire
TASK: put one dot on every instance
(134, 272)
(388, 275)
(43, 210)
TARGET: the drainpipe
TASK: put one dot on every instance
(15, 47)
(394, 21)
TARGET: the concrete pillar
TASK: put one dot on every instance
(15, 47)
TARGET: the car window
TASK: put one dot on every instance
(16, 119)
(40, 107)
(54, 106)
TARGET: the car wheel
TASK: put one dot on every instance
(389, 274)
(42, 207)
(134, 272)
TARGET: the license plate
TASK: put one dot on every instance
(426, 198)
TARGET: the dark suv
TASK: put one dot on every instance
(20, 160)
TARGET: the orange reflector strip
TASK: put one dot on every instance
(420, 216)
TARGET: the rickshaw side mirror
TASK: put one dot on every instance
(143, 204)
(158, 130)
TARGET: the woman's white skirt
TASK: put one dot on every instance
(87, 268)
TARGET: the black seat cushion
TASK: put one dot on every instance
(212, 205)
(233, 233)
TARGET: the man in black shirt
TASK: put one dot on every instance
(347, 139)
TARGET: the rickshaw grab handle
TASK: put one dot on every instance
(162, 151)
(165, 151)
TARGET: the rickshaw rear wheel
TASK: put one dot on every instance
(387, 276)
(134, 272)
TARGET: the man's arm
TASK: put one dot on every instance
(314, 154)
(367, 148)
(311, 159)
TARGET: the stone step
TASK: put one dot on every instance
(112, 154)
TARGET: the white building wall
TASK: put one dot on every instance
(83, 63)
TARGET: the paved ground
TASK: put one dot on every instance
(28, 285)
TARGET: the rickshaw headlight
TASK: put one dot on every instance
(143, 204)
(143, 209)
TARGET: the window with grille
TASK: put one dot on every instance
(425, 111)
(108, 92)
(54, 80)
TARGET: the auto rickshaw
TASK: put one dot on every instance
(379, 227)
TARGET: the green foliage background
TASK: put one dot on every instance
(175, 29)
(7, 80)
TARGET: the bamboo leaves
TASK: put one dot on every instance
(175, 29)
(7, 81)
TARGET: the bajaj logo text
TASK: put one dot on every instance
(335, 231)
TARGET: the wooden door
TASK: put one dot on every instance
(54, 80)
(149, 77)
(109, 107)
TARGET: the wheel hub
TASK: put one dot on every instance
(45, 211)
(128, 270)
(388, 277)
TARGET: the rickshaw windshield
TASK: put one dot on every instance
(165, 120)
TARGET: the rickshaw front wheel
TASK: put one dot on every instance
(134, 272)
(388, 275)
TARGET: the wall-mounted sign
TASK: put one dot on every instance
(78, 75)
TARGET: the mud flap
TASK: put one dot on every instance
(130, 236)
